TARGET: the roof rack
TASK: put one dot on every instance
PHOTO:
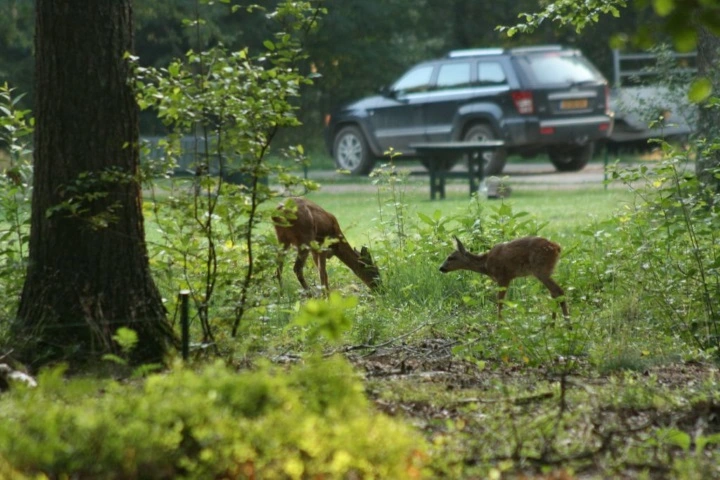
(537, 48)
(474, 52)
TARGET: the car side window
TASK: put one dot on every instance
(416, 80)
(453, 75)
(491, 73)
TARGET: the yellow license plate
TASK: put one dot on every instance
(573, 104)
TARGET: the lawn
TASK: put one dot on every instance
(359, 212)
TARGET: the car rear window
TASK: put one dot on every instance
(491, 73)
(553, 69)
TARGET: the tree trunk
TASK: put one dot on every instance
(88, 271)
(709, 118)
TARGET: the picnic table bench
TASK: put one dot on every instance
(437, 154)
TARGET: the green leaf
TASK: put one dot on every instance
(663, 7)
(425, 218)
(700, 90)
(678, 438)
(269, 45)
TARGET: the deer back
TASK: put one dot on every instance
(301, 222)
(522, 257)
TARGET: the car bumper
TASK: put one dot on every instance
(536, 132)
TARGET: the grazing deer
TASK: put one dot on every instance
(308, 226)
(519, 258)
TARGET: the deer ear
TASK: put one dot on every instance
(365, 256)
(460, 246)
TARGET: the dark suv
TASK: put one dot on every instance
(543, 99)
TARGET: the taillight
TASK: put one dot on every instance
(523, 101)
(327, 119)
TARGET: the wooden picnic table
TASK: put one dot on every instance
(437, 154)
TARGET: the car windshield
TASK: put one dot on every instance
(553, 69)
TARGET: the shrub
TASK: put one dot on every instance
(312, 421)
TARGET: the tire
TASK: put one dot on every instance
(351, 151)
(494, 161)
(571, 159)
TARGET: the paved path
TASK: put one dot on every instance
(517, 175)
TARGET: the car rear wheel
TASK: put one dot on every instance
(571, 159)
(351, 151)
(494, 161)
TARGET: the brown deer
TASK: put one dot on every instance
(505, 261)
(312, 229)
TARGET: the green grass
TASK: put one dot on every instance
(564, 211)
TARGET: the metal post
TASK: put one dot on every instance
(185, 323)
(605, 165)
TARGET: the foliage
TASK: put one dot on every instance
(16, 127)
(326, 318)
(679, 18)
(311, 421)
(389, 180)
(674, 258)
(16, 47)
(234, 103)
(579, 14)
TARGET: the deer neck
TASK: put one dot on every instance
(477, 263)
(347, 255)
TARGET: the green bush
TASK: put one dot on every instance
(312, 421)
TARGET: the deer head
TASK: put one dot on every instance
(461, 259)
(368, 272)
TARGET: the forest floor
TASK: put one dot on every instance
(551, 421)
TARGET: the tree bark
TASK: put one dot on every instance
(709, 118)
(88, 271)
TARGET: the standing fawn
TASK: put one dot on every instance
(505, 261)
(311, 229)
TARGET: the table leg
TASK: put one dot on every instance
(472, 172)
(442, 181)
(433, 177)
(480, 159)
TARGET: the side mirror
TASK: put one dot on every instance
(386, 91)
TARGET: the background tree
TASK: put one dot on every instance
(16, 41)
(88, 270)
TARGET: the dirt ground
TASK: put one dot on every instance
(616, 429)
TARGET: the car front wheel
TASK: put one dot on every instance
(571, 159)
(494, 161)
(351, 152)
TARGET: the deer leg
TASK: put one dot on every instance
(320, 261)
(555, 291)
(503, 287)
(281, 265)
(300, 265)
